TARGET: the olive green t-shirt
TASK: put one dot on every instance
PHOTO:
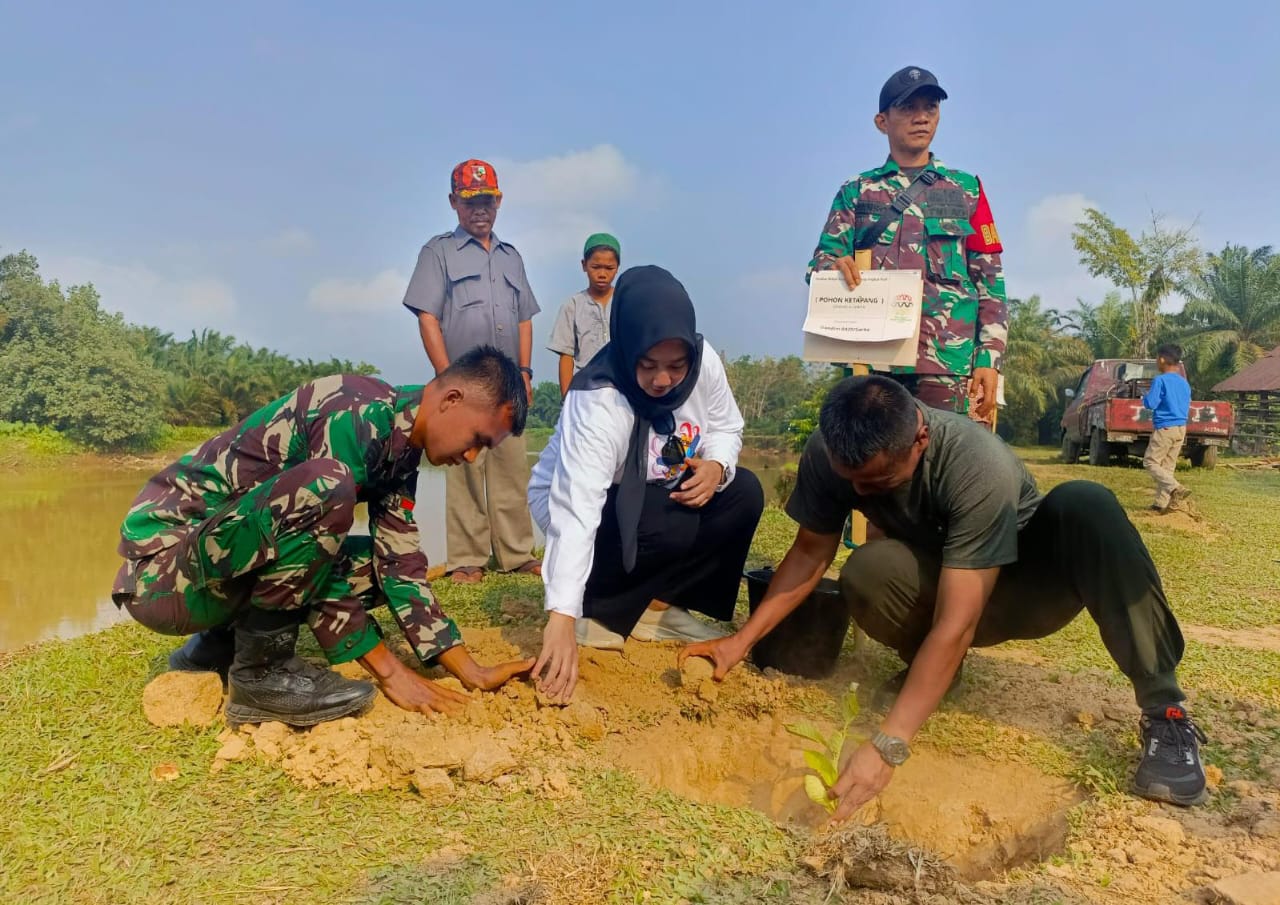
(966, 502)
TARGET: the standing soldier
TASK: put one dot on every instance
(469, 289)
(912, 212)
(246, 537)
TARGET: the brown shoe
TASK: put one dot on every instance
(532, 567)
(467, 575)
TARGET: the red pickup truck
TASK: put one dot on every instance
(1105, 416)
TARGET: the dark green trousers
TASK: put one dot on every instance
(1078, 552)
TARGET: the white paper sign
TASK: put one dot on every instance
(885, 306)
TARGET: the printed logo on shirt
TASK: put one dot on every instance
(659, 470)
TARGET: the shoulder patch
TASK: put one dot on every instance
(984, 239)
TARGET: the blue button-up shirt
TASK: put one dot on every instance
(478, 296)
(1169, 400)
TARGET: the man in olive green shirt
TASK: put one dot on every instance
(972, 556)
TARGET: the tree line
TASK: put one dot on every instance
(112, 385)
(779, 398)
(1230, 317)
(69, 365)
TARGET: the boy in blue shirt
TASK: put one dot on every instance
(1170, 402)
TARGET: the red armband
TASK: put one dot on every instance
(984, 239)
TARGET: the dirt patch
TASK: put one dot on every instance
(183, 698)
(726, 743)
(723, 743)
(1266, 638)
(1184, 519)
(960, 808)
(967, 810)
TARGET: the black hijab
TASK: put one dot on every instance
(649, 305)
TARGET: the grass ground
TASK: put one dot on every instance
(28, 446)
(87, 823)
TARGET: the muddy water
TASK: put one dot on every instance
(58, 535)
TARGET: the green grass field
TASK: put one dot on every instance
(85, 822)
(28, 446)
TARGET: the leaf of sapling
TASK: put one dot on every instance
(817, 792)
(806, 731)
(821, 764)
(849, 706)
(835, 745)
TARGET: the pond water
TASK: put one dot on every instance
(59, 530)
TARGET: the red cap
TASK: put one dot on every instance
(475, 177)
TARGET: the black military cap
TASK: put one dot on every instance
(906, 82)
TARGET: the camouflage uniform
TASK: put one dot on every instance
(949, 235)
(259, 516)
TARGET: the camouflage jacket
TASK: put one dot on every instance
(950, 236)
(363, 423)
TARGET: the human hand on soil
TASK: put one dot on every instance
(849, 270)
(411, 691)
(864, 776)
(725, 653)
(556, 669)
(486, 678)
(698, 490)
(405, 688)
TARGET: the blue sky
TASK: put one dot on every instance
(271, 169)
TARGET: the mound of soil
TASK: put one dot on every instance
(183, 698)
(722, 743)
(1184, 520)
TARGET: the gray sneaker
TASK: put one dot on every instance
(673, 624)
(590, 633)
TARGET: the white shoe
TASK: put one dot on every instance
(673, 624)
(591, 633)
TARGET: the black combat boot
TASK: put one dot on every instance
(209, 651)
(267, 682)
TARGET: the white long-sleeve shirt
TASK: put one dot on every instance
(586, 455)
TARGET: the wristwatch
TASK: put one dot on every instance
(892, 749)
(529, 371)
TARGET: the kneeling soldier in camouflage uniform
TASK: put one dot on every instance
(246, 537)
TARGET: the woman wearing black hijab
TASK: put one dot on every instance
(646, 514)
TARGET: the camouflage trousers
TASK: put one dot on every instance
(281, 546)
(947, 392)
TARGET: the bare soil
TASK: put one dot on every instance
(968, 818)
(1265, 638)
(183, 698)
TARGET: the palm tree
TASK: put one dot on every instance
(1041, 358)
(1107, 327)
(1232, 317)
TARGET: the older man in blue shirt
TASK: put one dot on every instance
(1170, 402)
(469, 289)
